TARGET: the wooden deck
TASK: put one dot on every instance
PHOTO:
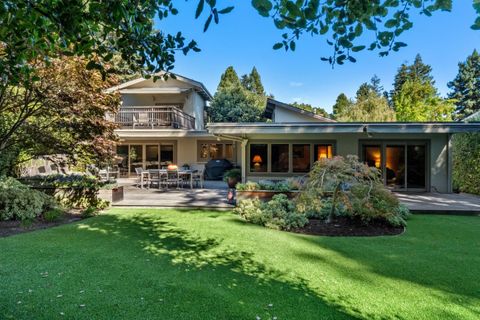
(442, 203)
(214, 195)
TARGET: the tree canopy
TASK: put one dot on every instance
(370, 105)
(466, 86)
(343, 24)
(62, 113)
(238, 101)
(308, 107)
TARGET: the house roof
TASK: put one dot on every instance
(198, 86)
(242, 129)
(473, 117)
(272, 104)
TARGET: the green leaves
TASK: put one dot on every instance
(263, 7)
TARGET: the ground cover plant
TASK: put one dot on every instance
(171, 264)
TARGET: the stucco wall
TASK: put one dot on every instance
(285, 115)
(346, 144)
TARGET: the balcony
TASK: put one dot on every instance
(157, 117)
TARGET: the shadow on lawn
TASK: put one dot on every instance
(438, 252)
(257, 283)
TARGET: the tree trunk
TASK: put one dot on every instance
(334, 203)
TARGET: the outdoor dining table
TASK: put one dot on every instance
(181, 172)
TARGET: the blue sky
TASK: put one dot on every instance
(244, 39)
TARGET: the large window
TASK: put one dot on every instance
(301, 157)
(258, 157)
(166, 154)
(215, 150)
(136, 157)
(403, 164)
(280, 158)
(286, 158)
(122, 162)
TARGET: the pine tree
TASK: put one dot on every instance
(466, 86)
(229, 79)
(418, 71)
(253, 82)
(375, 82)
(341, 105)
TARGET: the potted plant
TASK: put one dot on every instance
(232, 177)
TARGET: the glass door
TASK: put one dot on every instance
(151, 157)
(403, 164)
(166, 155)
(395, 166)
(136, 157)
(416, 167)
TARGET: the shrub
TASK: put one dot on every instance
(466, 162)
(53, 215)
(278, 213)
(249, 186)
(347, 187)
(89, 212)
(233, 173)
(73, 190)
(19, 202)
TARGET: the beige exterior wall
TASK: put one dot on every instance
(185, 149)
(349, 143)
(192, 102)
(285, 116)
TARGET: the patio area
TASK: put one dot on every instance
(442, 203)
(212, 195)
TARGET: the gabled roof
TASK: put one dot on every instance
(473, 117)
(272, 104)
(198, 86)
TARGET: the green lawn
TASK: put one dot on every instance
(168, 264)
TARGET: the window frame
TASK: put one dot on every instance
(290, 144)
(224, 144)
(383, 143)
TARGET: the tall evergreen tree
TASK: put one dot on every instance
(234, 103)
(229, 79)
(253, 82)
(341, 105)
(375, 82)
(466, 86)
(418, 71)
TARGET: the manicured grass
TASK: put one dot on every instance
(168, 264)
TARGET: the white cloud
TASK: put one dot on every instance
(296, 84)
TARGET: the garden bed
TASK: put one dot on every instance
(347, 227)
(12, 227)
(264, 195)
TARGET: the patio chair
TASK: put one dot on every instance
(155, 178)
(142, 120)
(172, 178)
(142, 177)
(198, 173)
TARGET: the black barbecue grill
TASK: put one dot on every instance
(215, 169)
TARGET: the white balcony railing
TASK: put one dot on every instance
(157, 117)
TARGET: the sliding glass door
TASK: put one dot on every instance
(403, 164)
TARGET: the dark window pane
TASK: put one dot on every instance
(136, 157)
(416, 167)
(122, 160)
(229, 151)
(372, 156)
(395, 166)
(151, 157)
(301, 157)
(279, 157)
(166, 155)
(258, 157)
(323, 151)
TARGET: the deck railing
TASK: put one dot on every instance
(157, 117)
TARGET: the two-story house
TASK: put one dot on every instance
(164, 122)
